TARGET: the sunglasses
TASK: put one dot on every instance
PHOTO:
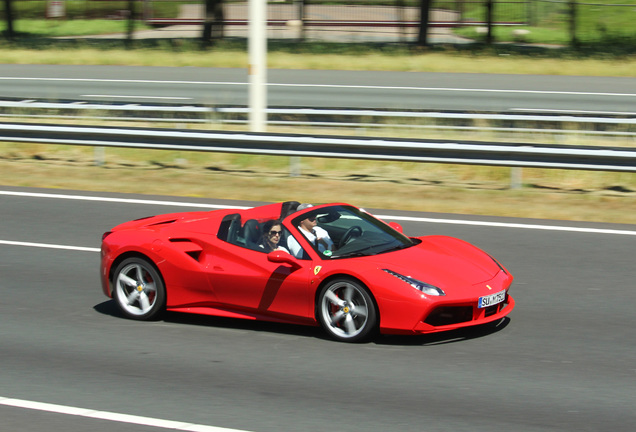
(274, 233)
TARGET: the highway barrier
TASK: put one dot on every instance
(391, 149)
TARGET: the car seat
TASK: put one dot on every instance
(288, 208)
(252, 233)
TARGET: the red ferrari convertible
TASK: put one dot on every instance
(332, 265)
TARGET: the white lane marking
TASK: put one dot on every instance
(389, 217)
(136, 81)
(454, 89)
(510, 225)
(111, 416)
(137, 97)
(335, 86)
(118, 200)
(562, 111)
(49, 246)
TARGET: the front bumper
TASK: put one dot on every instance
(444, 318)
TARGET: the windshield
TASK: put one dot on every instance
(353, 232)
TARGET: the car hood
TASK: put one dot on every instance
(441, 261)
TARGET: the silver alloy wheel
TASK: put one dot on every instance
(347, 311)
(138, 289)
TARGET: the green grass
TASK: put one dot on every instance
(34, 28)
(87, 9)
(595, 20)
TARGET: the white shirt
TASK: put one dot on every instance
(278, 248)
(318, 233)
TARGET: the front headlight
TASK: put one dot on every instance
(426, 288)
(498, 264)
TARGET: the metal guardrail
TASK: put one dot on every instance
(453, 152)
(316, 116)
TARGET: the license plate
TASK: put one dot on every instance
(492, 299)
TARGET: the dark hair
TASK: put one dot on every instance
(267, 226)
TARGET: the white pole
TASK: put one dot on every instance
(257, 68)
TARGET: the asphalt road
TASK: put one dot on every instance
(332, 89)
(563, 361)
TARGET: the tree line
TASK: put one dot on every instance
(213, 23)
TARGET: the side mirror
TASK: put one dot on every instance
(281, 257)
(396, 226)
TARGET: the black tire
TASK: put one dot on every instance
(346, 310)
(138, 289)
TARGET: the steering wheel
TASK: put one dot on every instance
(354, 231)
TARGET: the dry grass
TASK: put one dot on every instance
(553, 194)
(406, 61)
(457, 62)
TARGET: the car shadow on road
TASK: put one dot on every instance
(110, 308)
(244, 324)
(446, 337)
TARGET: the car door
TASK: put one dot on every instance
(245, 280)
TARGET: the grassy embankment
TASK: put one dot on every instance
(554, 194)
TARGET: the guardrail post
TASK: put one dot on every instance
(100, 156)
(294, 166)
(516, 178)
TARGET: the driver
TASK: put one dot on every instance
(317, 236)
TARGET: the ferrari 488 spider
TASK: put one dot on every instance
(368, 277)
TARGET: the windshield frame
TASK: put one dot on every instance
(376, 236)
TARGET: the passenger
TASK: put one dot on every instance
(317, 236)
(272, 233)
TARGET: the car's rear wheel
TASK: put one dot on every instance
(138, 289)
(346, 310)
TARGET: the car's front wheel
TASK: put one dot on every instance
(138, 289)
(346, 310)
